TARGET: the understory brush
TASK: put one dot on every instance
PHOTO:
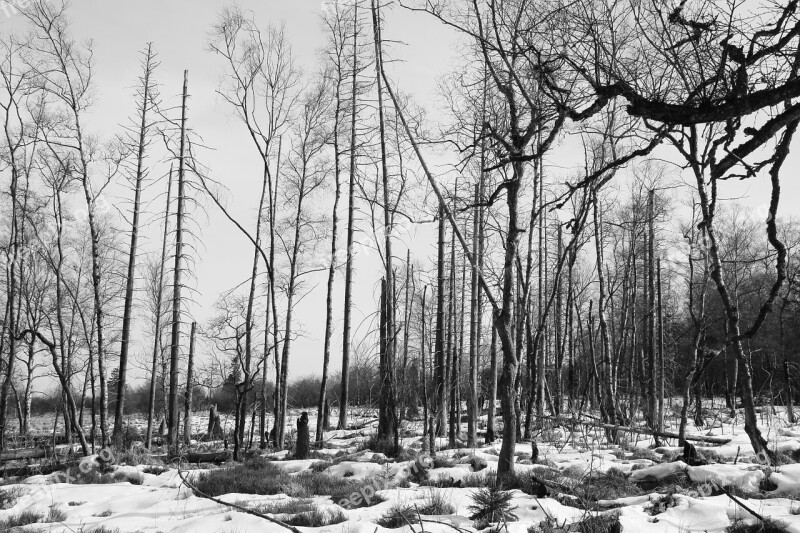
(259, 476)
(491, 505)
(437, 503)
(24, 518)
(598, 523)
(301, 512)
(9, 497)
(767, 526)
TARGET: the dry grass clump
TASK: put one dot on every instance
(24, 518)
(9, 497)
(259, 476)
(767, 526)
(437, 503)
(599, 523)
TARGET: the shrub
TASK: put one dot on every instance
(611, 485)
(767, 526)
(477, 463)
(317, 518)
(9, 497)
(155, 470)
(320, 466)
(286, 506)
(381, 445)
(526, 481)
(22, 519)
(263, 477)
(398, 516)
(601, 523)
(473, 481)
(710, 456)
(644, 453)
(492, 504)
(661, 504)
(134, 478)
(443, 462)
(436, 503)
(401, 515)
(55, 515)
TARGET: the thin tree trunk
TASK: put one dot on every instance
(652, 405)
(388, 422)
(660, 339)
(326, 351)
(157, 347)
(439, 347)
(132, 250)
(187, 407)
(348, 283)
(474, 335)
(172, 430)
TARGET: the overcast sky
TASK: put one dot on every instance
(179, 30)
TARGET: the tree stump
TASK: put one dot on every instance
(534, 452)
(214, 424)
(302, 447)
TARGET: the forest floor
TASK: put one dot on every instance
(578, 482)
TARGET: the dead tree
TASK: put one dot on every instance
(147, 95)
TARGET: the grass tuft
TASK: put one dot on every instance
(259, 476)
(601, 523)
(767, 526)
(24, 518)
(55, 515)
(9, 497)
(317, 518)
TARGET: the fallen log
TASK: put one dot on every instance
(197, 457)
(34, 470)
(642, 431)
(25, 453)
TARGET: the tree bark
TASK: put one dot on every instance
(132, 250)
(172, 429)
(348, 283)
(187, 407)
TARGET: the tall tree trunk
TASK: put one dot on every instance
(474, 335)
(132, 250)
(326, 351)
(262, 419)
(652, 404)
(172, 430)
(348, 275)
(439, 369)
(452, 375)
(386, 426)
(607, 400)
(660, 341)
(157, 347)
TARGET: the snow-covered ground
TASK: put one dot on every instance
(160, 502)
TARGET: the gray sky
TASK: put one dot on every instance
(179, 31)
